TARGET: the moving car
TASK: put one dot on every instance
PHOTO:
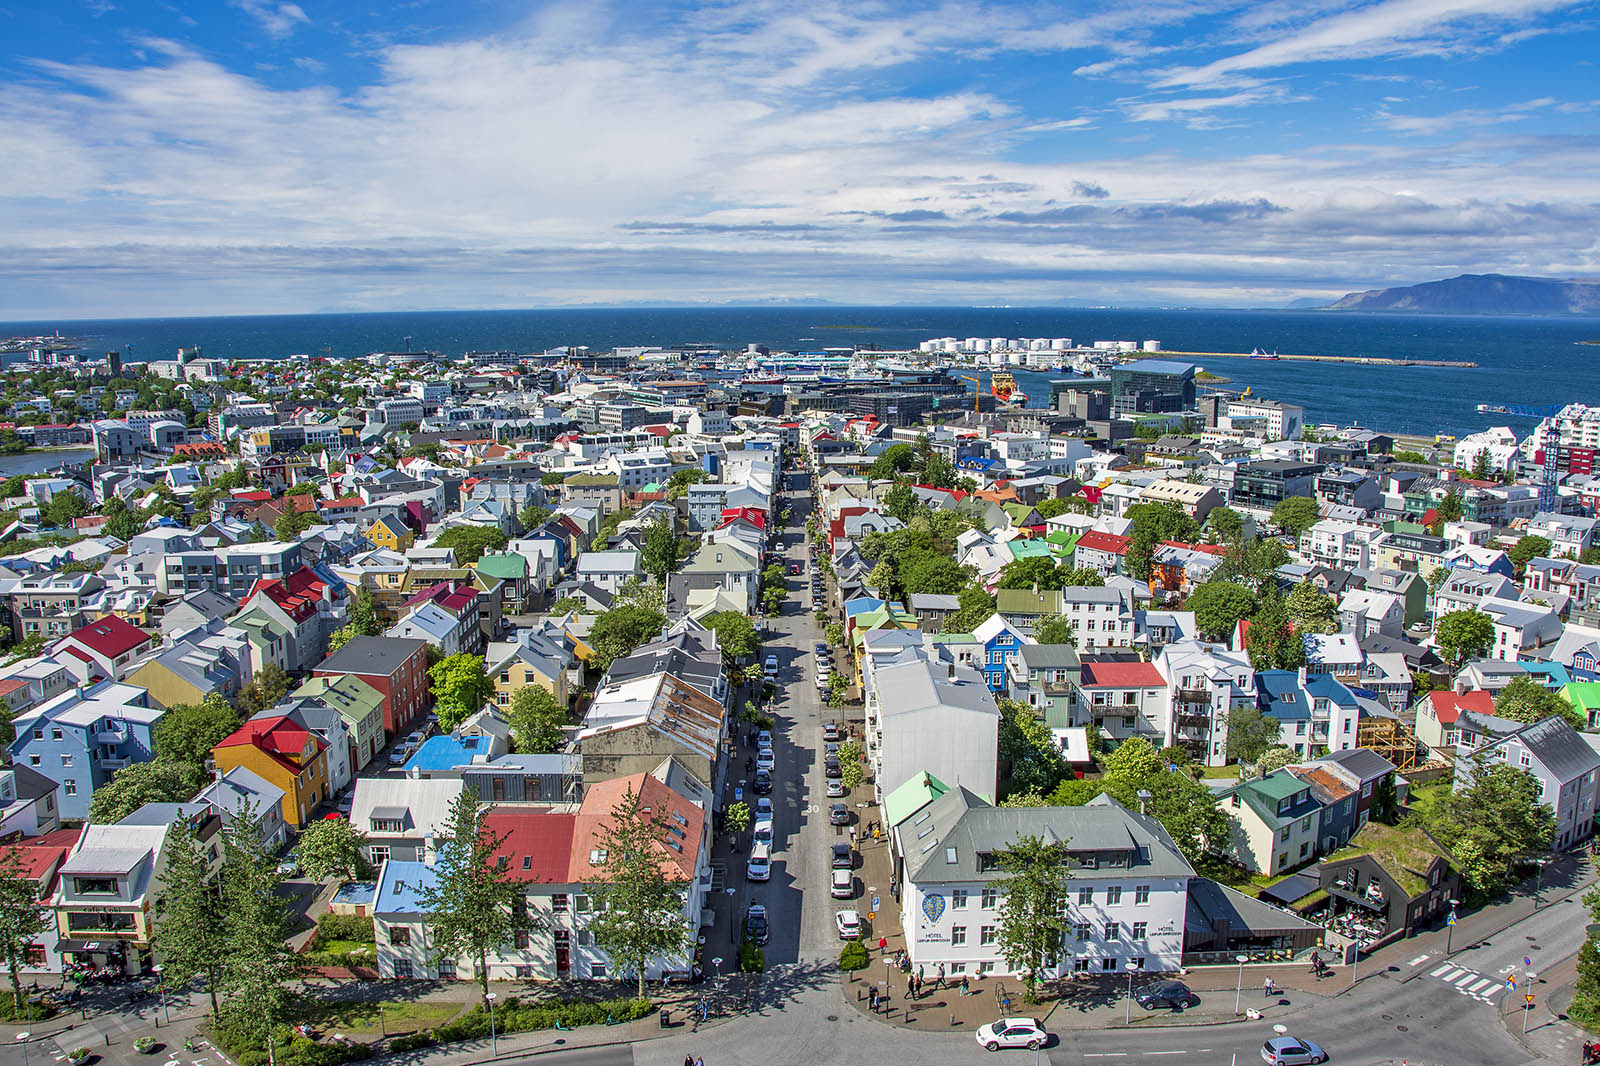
(844, 857)
(849, 925)
(1013, 1032)
(759, 868)
(844, 884)
(835, 787)
(771, 664)
(839, 814)
(756, 929)
(1291, 1051)
(1174, 994)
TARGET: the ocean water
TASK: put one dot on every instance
(1522, 360)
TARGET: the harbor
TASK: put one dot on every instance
(1373, 360)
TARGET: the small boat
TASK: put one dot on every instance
(1259, 354)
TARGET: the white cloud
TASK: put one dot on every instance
(278, 17)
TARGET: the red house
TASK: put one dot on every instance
(105, 648)
(396, 667)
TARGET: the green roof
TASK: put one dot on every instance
(1405, 854)
(1065, 537)
(1017, 511)
(911, 797)
(1025, 601)
(352, 697)
(1278, 785)
(591, 480)
(1028, 549)
(1584, 695)
(504, 565)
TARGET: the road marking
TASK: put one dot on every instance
(1461, 982)
(1441, 970)
(1164, 1053)
(1479, 985)
(1420, 959)
(1105, 1054)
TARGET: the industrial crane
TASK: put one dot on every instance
(977, 391)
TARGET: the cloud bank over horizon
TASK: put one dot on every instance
(267, 156)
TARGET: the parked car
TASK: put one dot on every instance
(765, 760)
(771, 664)
(844, 884)
(414, 741)
(844, 857)
(764, 739)
(831, 732)
(839, 814)
(756, 929)
(762, 834)
(400, 754)
(289, 867)
(759, 868)
(849, 925)
(1174, 994)
(1291, 1051)
(1013, 1032)
(832, 768)
(835, 787)
(763, 809)
(762, 783)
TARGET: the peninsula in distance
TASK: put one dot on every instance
(1481, 294)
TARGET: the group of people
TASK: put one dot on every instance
(693, 1060)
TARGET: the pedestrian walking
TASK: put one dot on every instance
(1266, 988)
(883, 945)
(938, 978)
(698, 1061)
(966, 988)
(688, 1060)
(872, 998)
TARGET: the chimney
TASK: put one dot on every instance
(429, 852)
(1144, 800)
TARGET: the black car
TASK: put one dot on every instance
(844, 857)
(756, 929)
(831, 767)
(762, 783)
(1174, 994)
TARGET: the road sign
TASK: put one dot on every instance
(1528, 997)
(875, 902)
(871, 915)
(1450, 920)
(1526, 961)
(1511, 984)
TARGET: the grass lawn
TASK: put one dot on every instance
(335, 946)
(399, 1016)
(1230, 772)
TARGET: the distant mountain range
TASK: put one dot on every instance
(1481, 294)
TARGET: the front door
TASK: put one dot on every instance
(499, 789)
(563, 962)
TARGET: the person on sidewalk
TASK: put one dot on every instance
(688, 1060)
(938, 979)
(1266, 988)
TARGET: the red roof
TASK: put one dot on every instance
(1122, 675)
(1105, 542)
(281, 738)
(109, 637)
(298, 594)
(41, 855)
(680, 834)
(754, 515)
(536, 844)
(453, 596)
(1448, 705)
(11, 684)
(258, 496)
(1207, 549)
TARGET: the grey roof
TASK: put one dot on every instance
(371, 655)
(917, 684)
(1559, 747)
(163, 813)
(1363, 762)
(1050, 656)
(934, 601)
(1209, 901)
(30, 783)
(1101, 825)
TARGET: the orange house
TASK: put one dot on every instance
(284, 752)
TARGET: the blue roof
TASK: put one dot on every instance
(1157, 366)
(401, 886)
(356, 892)
(1275, 687)
(1555, 674)
(444, 752)
(861, 605)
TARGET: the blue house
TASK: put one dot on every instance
(80, 738)
(1001, 642)
(1315, 713)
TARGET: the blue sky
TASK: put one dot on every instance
(266, 155)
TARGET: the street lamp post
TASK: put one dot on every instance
(1238, 993)
(162, 984)
(1538, 882)
(22, 1038)
(494, 1039)
(1450, 927)
(1132, 968)
(382, 1031)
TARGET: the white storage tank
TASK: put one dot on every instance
(1061, 344)
(1152, 346)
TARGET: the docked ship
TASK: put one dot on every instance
(1004, 389)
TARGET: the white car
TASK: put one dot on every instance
(1013, 1032)
(844, 884)
(771, 664)
(836, 788)
(762, 833)
(848, 924)
(765, 760)
(764, 739)
(759, 868)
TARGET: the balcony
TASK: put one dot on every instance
(1194, 695)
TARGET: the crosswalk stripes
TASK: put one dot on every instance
(1468, 982)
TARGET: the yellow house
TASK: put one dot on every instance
(385, 533)
(282, 751)
(184, 674)
(513, 665)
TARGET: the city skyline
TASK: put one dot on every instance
(268, 156)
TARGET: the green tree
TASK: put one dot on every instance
(258, 968)
(191, 922)
(1530, 547)
(331, 847)
(1036, 572)
(475, 904)
(837, 688)
(850, 765)
(1056, 629)
(1134, 761)
(269, 685)
(187, 732)
(470, 542)
(64, 508)
(1033, 905)
(121, 522)
(640, 916)
(737, 816)
(1218, 606)
(1083, 577)
(620, 630)
(574, 604)
(460, 688)
(258, 533)
(22, 919)
(833, 633)
(1448, 509)
(1463, 635)
(340, 637)
(1250, 733)
(1295, 514)
(901, 502)
(533, 516)
(1030, 758)
(893, 461)
(659, 557)
(1272, 640)
(537, 721)
(1525, 700)
(927, 572)
(139, 783)
(641, 594)
(291, 524)
(1274, 758)
(1493, 824)
(974, 605)
(678, 484)
(363, 614)
(939, 471)
(736, 635)
(1225, 525)
(1312, 610)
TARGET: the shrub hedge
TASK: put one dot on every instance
(514, 1016)
(854, 957)
(332, 926)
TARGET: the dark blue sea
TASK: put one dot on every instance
(1522, 360)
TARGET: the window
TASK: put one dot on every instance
(1080, 965)
(399, 936)
(950, 856)
(95, 886)
(380, 854)
(33, 760)
(70, 787)
(1305, 847)
(558, 902)
(580, 903)
(958, 899)
(985, 967)
(1113, 895)
(958, 935)
(1085, 896)
(1113, 929)
(55, 734)
(1140, 930)
(986, 934)
(66, 760)
(402, 967)
(1138, 962)
(1083, 930)
(989, 896)
(1108, 965)
(1141, 894)
(519, 939)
